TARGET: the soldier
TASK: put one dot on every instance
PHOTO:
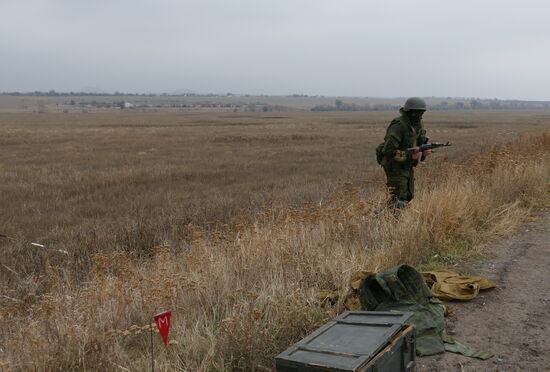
(404, 132)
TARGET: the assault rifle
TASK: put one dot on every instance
(429, 146)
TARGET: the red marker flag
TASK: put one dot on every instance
(163, 324)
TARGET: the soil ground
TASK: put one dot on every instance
(513, 320)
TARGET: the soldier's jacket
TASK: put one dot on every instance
(400, 136)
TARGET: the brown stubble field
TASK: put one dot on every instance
(131, 180)
(78, 167)
(128, 181)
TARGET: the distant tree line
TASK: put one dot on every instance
(53, 93)
(340, 105)
(471, 104)
(144, 104)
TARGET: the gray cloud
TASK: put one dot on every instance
(350, 47)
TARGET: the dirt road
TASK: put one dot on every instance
(512, 321)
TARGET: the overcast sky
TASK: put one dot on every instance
(386, 48)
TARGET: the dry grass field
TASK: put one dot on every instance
(235, 221)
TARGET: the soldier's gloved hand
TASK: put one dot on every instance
(416, 153)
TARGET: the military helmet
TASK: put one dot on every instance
(415, 103)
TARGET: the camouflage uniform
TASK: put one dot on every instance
(401, 134)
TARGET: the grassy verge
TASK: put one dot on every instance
(241, 296)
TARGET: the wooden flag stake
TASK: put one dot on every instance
(152, 350)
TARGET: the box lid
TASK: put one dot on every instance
(348, 342)
(378, 317)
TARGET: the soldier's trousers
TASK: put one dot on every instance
(400, 183)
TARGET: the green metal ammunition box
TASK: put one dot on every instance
(365, 341)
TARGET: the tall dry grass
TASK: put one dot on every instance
(242, 295)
